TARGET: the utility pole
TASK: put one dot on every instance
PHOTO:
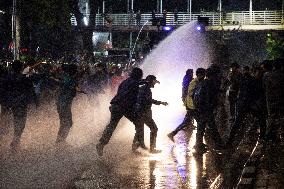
(131, 36)
(128, 6)
(282, 16)
(189, 7)
(220, 11)
(15, 31)
(250, 11)
(104, 9)
(158, 5)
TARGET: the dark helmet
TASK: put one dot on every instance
(17, 66)
(136, 73)
(152, 78)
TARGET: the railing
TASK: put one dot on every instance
(215, 18)
(256, 18)
(128, 19)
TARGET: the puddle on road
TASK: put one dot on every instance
(175, 167)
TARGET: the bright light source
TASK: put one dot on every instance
(200, 28)
(167, 28)
(2, 12)
(86, 22)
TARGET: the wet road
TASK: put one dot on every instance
(175, 167)
(39, 164)
(80, 167)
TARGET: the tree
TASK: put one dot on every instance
(275, 46)
(46, 23)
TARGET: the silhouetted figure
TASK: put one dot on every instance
(122, 105)
(144, 112)
(188, 103)
(274, 82)
(17, 92)
(176, 15)
(138, 18)
(234, 80)
(246, 104)
(205, 101)
(185, 83)
(67, 92)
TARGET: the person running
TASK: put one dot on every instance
(67, 91)
(122, 105)
(144, 112)
(187, 121)
(17, 92)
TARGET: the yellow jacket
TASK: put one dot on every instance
(188, 100)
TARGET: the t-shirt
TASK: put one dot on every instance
(67, 90)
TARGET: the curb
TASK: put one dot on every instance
(249, 173)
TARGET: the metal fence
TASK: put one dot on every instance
(215, 18)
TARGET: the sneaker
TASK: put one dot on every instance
(155, 151)
(100, 148)
(171, 137)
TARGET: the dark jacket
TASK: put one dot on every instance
(246, 89)
(127, 93)
(16, 90)
(274, 87)
(207, 92)
(144, 100)
(67, 90)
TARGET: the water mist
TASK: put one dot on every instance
(183, 49)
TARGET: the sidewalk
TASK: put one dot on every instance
(264, 169)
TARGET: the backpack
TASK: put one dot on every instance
(197, 95)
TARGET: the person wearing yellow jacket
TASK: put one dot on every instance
(188, 103)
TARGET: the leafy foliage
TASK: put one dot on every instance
(46, 23)
(275, 46)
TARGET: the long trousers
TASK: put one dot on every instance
(243, 109)
(20, 118)
(117, 112)
(275, 124)
(206, 120)
(187, 121)
(65, 117)
(232, 101)
(146, 118)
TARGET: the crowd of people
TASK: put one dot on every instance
(39, 83)
(255, 92)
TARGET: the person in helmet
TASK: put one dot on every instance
(144, 112)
